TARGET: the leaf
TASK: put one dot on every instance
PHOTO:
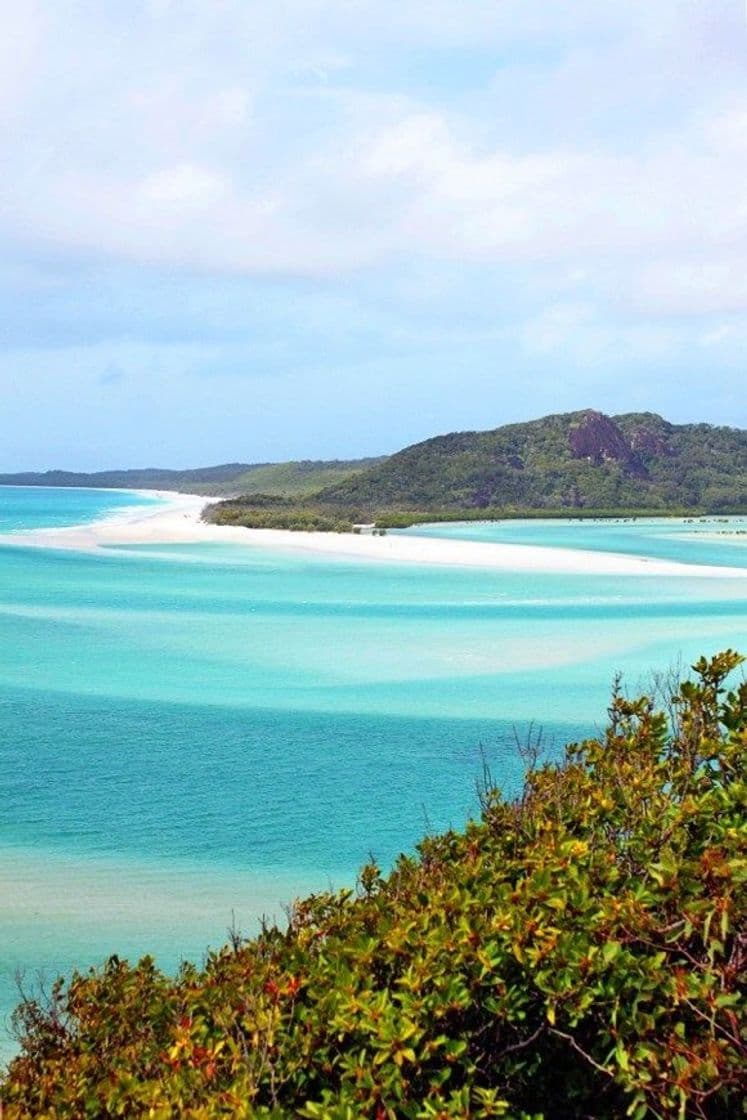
(610, 951)
(622, 1057)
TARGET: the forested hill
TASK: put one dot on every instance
(578, 460)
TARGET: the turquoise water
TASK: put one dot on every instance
(715, 540)
(37, 507)
(191, 732)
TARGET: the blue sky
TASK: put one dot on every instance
(320, 228)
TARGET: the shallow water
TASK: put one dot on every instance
(39, 507)
(193, 730)
(702, 540)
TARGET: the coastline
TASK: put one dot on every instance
(177, 520)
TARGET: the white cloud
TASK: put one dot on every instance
(184, 188)
(575, 333)
(685, 287)
(185, 135)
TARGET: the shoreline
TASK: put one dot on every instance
(176, 519)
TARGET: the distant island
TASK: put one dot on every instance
(579, 464)
(291, 479)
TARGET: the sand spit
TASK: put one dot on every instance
(177, 520)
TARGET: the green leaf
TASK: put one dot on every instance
(610, 951)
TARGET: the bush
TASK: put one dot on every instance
(577, 952)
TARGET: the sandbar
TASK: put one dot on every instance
(177, 520)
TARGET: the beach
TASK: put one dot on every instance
(177, 520)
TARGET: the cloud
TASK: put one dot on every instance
(183, 189)
(295, 193)
(695, 287)
(188, 136)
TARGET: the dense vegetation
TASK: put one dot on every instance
(266, 511)
(272, 511)
(577, 461)
(579, 951)
(578, 464)
(294, 479)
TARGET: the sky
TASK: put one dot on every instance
(254, 231)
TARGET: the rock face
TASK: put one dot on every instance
(649, 440)
(597, 438)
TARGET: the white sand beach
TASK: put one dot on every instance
(178, 521)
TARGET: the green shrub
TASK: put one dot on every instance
(577, 952)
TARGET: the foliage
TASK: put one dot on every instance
(269, 511)
(572, 462)
(402, 519)
(577, 952)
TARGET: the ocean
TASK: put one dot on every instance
(49, 507)
(193, 735)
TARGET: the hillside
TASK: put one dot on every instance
(298, 478)
(576, 461)
(292, 479)
(576, 952)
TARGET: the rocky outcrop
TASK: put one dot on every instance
(598, 438)
(650, 441)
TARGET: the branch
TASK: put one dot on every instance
(582, 1052)
(526, 1042)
